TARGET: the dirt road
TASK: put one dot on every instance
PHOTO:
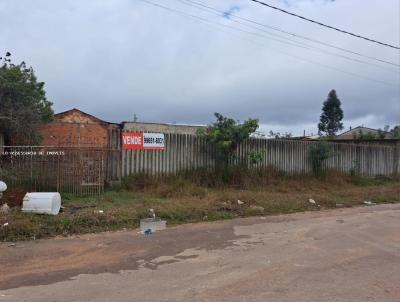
(341, 255)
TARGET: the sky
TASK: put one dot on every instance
(172, 61)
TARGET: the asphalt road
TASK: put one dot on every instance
(340, 255)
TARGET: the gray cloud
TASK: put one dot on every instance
(119, 57)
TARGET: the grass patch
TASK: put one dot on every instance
(194, 197)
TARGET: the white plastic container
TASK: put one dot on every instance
(42, 203)
(3, 186)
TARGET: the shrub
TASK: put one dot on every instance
(226, 134)
(319, 153)
(355, 169)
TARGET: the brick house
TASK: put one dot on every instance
(75, 128)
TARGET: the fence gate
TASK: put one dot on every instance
(69, 170)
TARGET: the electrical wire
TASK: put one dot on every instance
(199, 4)
(278, 50)
(325, 25)
(300, 44)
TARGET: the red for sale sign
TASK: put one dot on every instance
(132, 140)
(140, 140)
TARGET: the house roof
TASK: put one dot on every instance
(60, 114)
(354, 133)
(304, 138)
(358, 128)
(163, 124)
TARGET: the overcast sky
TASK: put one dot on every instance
(117, 58)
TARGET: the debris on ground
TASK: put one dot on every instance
(147, 232)
(313, 202)
(11, 245)
(4, 209)
(5, 224)
(240, 202)
(154, 223)
(100, 211)
(369, 203)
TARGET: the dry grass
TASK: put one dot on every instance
(199, 197)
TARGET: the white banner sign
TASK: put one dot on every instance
(153, 141)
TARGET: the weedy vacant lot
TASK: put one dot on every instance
(186, 198)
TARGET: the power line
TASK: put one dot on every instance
(298, 44)
(290, 33)
(276, 49)
(325, 25)
(202, 20)
(195, 17)
(219, 12)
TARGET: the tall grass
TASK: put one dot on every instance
(240, 177)
(199, 195)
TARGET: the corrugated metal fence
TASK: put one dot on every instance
(87, 170)
(186, 152)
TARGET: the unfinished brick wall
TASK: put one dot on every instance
(75, 128)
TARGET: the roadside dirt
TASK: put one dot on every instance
(251, 259)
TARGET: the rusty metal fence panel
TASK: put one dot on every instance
(70, 170)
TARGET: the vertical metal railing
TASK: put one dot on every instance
(70, 170)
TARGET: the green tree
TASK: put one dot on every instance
(226, 134)
(23, 103)
(318, 154)
(395, 132)
(279, 135)
(332, 115)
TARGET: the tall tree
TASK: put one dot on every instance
(332, 115)
(23, 103)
